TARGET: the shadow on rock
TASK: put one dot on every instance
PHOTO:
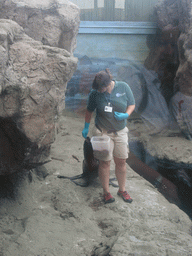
(9, 184)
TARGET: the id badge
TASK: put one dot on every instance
(108, 109)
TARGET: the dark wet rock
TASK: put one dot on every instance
(163, 58)
(181, 110)
(173, 12)
(170, 51)
(171, 57)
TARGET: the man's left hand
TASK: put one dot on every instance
(120, 116)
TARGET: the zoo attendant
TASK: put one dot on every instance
(114, 102)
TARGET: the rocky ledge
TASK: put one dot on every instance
(51, 216)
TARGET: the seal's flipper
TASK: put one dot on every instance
(70, 178)
(82, 183)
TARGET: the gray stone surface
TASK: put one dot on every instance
(177, 149)
(53, 216)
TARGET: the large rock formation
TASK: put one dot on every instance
(171, 57)
(170, 54)
(33, 79)
(54, 23)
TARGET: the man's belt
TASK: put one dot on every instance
(109, 131)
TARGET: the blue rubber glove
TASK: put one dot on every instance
(120, 116)
(85, 130)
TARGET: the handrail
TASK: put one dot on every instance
(117, 27)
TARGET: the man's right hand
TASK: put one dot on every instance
(85, 130)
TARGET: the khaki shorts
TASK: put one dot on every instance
(118, 144)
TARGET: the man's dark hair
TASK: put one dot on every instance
(102, 79)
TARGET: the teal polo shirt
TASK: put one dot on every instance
(119, 99)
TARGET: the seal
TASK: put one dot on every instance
(90, 168)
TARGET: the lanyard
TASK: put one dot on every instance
(108, 98)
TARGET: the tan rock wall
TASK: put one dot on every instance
(33, 82)
(54, 23)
